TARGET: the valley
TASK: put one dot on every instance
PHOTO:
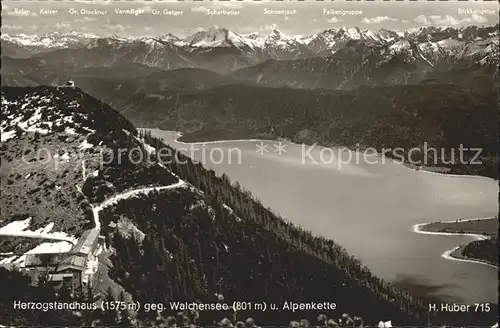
(432, 86)
(152, 233)
(168, 164)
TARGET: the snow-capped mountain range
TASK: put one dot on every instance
(317, 42)
(52, 40)
(222, 50)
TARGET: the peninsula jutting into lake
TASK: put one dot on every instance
(482, 250)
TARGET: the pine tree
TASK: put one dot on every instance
(108, 317)
(125, 319)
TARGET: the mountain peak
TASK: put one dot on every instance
(54, 109)
(168, 36)
(350, 32)
(208, 38)
(276, 33)
(253, 35)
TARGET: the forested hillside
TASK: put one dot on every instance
(373, 88)
(203, 240)
(484, 250)
(188, 244)
(200, 237)
(444, 116)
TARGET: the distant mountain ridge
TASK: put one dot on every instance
(215, 37)
(443, 115)
(161, 81)
(222, 50)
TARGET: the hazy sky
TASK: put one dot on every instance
(105, 18)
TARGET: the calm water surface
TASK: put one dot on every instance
(370, 210)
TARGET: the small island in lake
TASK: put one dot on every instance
(484, 250)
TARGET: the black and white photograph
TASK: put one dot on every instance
(249, 164)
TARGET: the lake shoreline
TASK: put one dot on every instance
(336, 202)
(456, 254)
(428, 170)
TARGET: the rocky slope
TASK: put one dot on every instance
(183, 242)
(53, 139)
(353, 58)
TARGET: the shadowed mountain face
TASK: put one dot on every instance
(206, 105)
(15, 50)
(345, 86)
(343, 58)
(438, 114)
(183, 243)
(391, 80)
(385, 58)
(359, 64)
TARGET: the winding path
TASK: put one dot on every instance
(95, 210)
(129, 194)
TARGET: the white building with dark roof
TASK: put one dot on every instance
(73, 269)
